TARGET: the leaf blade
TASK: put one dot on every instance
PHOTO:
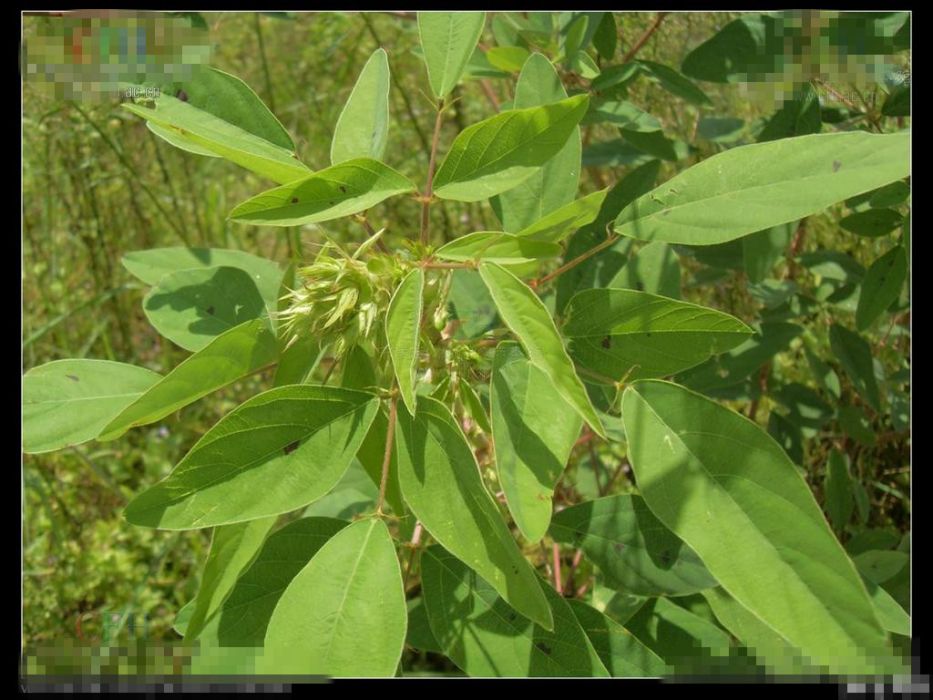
(53, 391)
(750, 188)
(403, 325)
(448, 40)
(340, 190)
(678, 446)
(527, 317)
(494, 155)
(231, 355)
(363, 125)
(353, 583)
(276, 452)
(449, 498)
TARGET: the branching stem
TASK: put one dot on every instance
(387, 457)
(428, 194)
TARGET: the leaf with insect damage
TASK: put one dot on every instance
(276, 452)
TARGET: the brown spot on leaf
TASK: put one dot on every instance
(294, 200)
(290, 447)
(343, 189)
(182, 95)
(836, 166)
(607, 342)
(72, 377)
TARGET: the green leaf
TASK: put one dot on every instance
(403, 323)
(619, 650)
(233, 547)
(674, 82)
(507, 58)
(448, 40)
(363, 125)
(276, 452)
(152, 265)
(890, 614)
(622, 332)
(192, 307)
(655, 269)
(228, 98)
(494, 246)
(67, 402)
(655, 143)
(686, 642)
(597, 270)
(606, 38)
(872, 223)
(890, 195)
(736, 365)
(474, 406)
(556, 183)
(560, 223)
(344, 614)
(441, 484)
(770, 648)
(753, 187)
(854, 354)
(355, 494)
(897, 103)
(762, 250)
(228, 357)
(615, 78)
(297, 361)
(724, 130)
(854, 423)
(332, 193)
(879, 566)
(472, 305)
(574, 36)
(244, 616)
(623, 114)
(528, 318)
(881, 286)
(727, 489)
(181, 142)
(634, 550)
(533, 431)
(747, 49)
(419, 629)
(797, 117)
(204, 130)
(485, 637)
(499, 153)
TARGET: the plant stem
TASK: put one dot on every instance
(558, 585)
(429, 185)
(643, 39)
(387, 457)
(430, 265)
(415, 546)
(576, 261)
